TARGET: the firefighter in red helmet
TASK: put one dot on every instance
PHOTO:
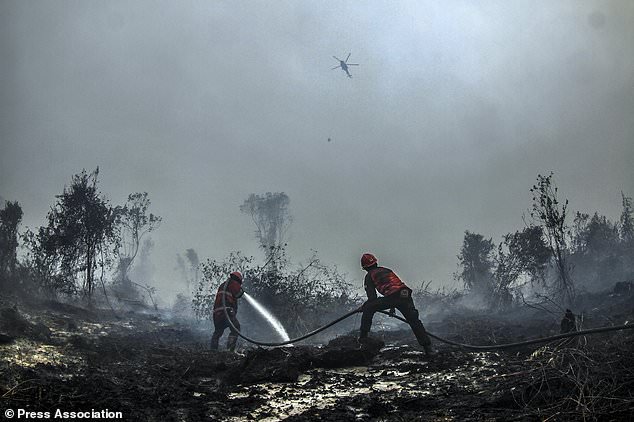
(232, 293)
(395, 294)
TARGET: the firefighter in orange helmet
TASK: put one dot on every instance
(395, 294)
(232, 293)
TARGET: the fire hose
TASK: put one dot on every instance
(443, 340)
(521, 343)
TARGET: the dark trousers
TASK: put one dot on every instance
(404, 303)
(220, 325)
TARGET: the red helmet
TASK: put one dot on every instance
(237, 276)
(368, 260)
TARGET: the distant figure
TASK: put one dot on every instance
(395, 295)
(568, 323)
(232, 294)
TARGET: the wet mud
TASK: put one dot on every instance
(59, 356)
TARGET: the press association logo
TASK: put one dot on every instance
(62, 414)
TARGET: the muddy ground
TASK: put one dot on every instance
(59, 356)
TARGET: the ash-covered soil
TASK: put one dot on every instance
(59, 356)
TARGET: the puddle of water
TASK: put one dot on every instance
(322, 389)
(285, 400)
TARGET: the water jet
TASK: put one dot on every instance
(277, 326)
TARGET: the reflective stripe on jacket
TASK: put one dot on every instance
(233, 292)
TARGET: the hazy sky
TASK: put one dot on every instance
(454, 110)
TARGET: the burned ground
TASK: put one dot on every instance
(61, 356)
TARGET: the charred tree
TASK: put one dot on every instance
(134, 222)
(627, 220)
(10, 217)
(550, 214)
(272, 218)
(523, 254)
(80, 236)
(475, 264)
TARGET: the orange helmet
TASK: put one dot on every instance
(368, 260)
(237, 276)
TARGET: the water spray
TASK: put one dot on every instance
(281, 343)
(277, 325)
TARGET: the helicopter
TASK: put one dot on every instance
(343, 64)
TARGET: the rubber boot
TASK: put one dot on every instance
(429, 350)
(423, 339)
(215, 339)
(231, 342)
(363, 339)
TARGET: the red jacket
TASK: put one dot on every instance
(233, 293)
(384, 281)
